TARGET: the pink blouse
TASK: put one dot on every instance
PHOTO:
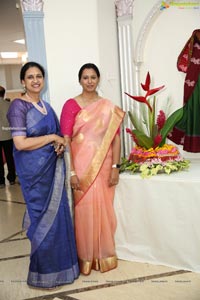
(68, 116)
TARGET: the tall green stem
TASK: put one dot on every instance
(152, 118)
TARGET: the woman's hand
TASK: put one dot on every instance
(59, 145)
(114, 177)
(114, 173)
(74, 181)
(59, 149)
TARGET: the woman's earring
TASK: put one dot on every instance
(24, 90)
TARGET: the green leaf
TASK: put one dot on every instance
(155, 131)
(144, 118)
(136, 122)
(169, 124)
(143, 140)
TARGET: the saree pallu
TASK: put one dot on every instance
(53, 259)
(95, 221)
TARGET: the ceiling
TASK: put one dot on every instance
(11, 27)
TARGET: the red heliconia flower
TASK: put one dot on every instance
(157, 140)
(153, 91)
(146, 86)
(140, 99)
(161, 120)
(150, 121)
(137, 98)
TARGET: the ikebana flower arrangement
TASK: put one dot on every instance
(152, 155)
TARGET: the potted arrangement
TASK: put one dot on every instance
(151, 154)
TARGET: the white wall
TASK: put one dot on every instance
(2, 76)
(77, 32)
(108, 50)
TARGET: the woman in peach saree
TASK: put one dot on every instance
(90, 125)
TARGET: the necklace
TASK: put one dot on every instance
(42, 108)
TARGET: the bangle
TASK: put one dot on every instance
(116, 166)
(72, 173)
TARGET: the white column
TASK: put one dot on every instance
(124, 18)
(34, 31)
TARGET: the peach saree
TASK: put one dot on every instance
(95, 223)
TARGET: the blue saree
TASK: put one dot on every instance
(53, 259)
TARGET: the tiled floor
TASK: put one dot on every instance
(130, 281)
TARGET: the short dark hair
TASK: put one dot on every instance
(2, 91)
(88, 66)
(29, 65)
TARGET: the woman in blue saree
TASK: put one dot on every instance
(40, 165)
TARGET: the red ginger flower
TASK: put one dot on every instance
(157, 140)
(161, 120)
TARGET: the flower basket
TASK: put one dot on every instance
(152, 155)
(154, 163)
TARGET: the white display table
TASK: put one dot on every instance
(159, 218)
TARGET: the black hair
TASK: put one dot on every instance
(2, 91)
(29, 65)
(88, 66)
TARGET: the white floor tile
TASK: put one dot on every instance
(107, 286)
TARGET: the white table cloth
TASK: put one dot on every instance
(159, 218)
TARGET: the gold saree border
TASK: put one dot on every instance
(117, 115)
(98, 264)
